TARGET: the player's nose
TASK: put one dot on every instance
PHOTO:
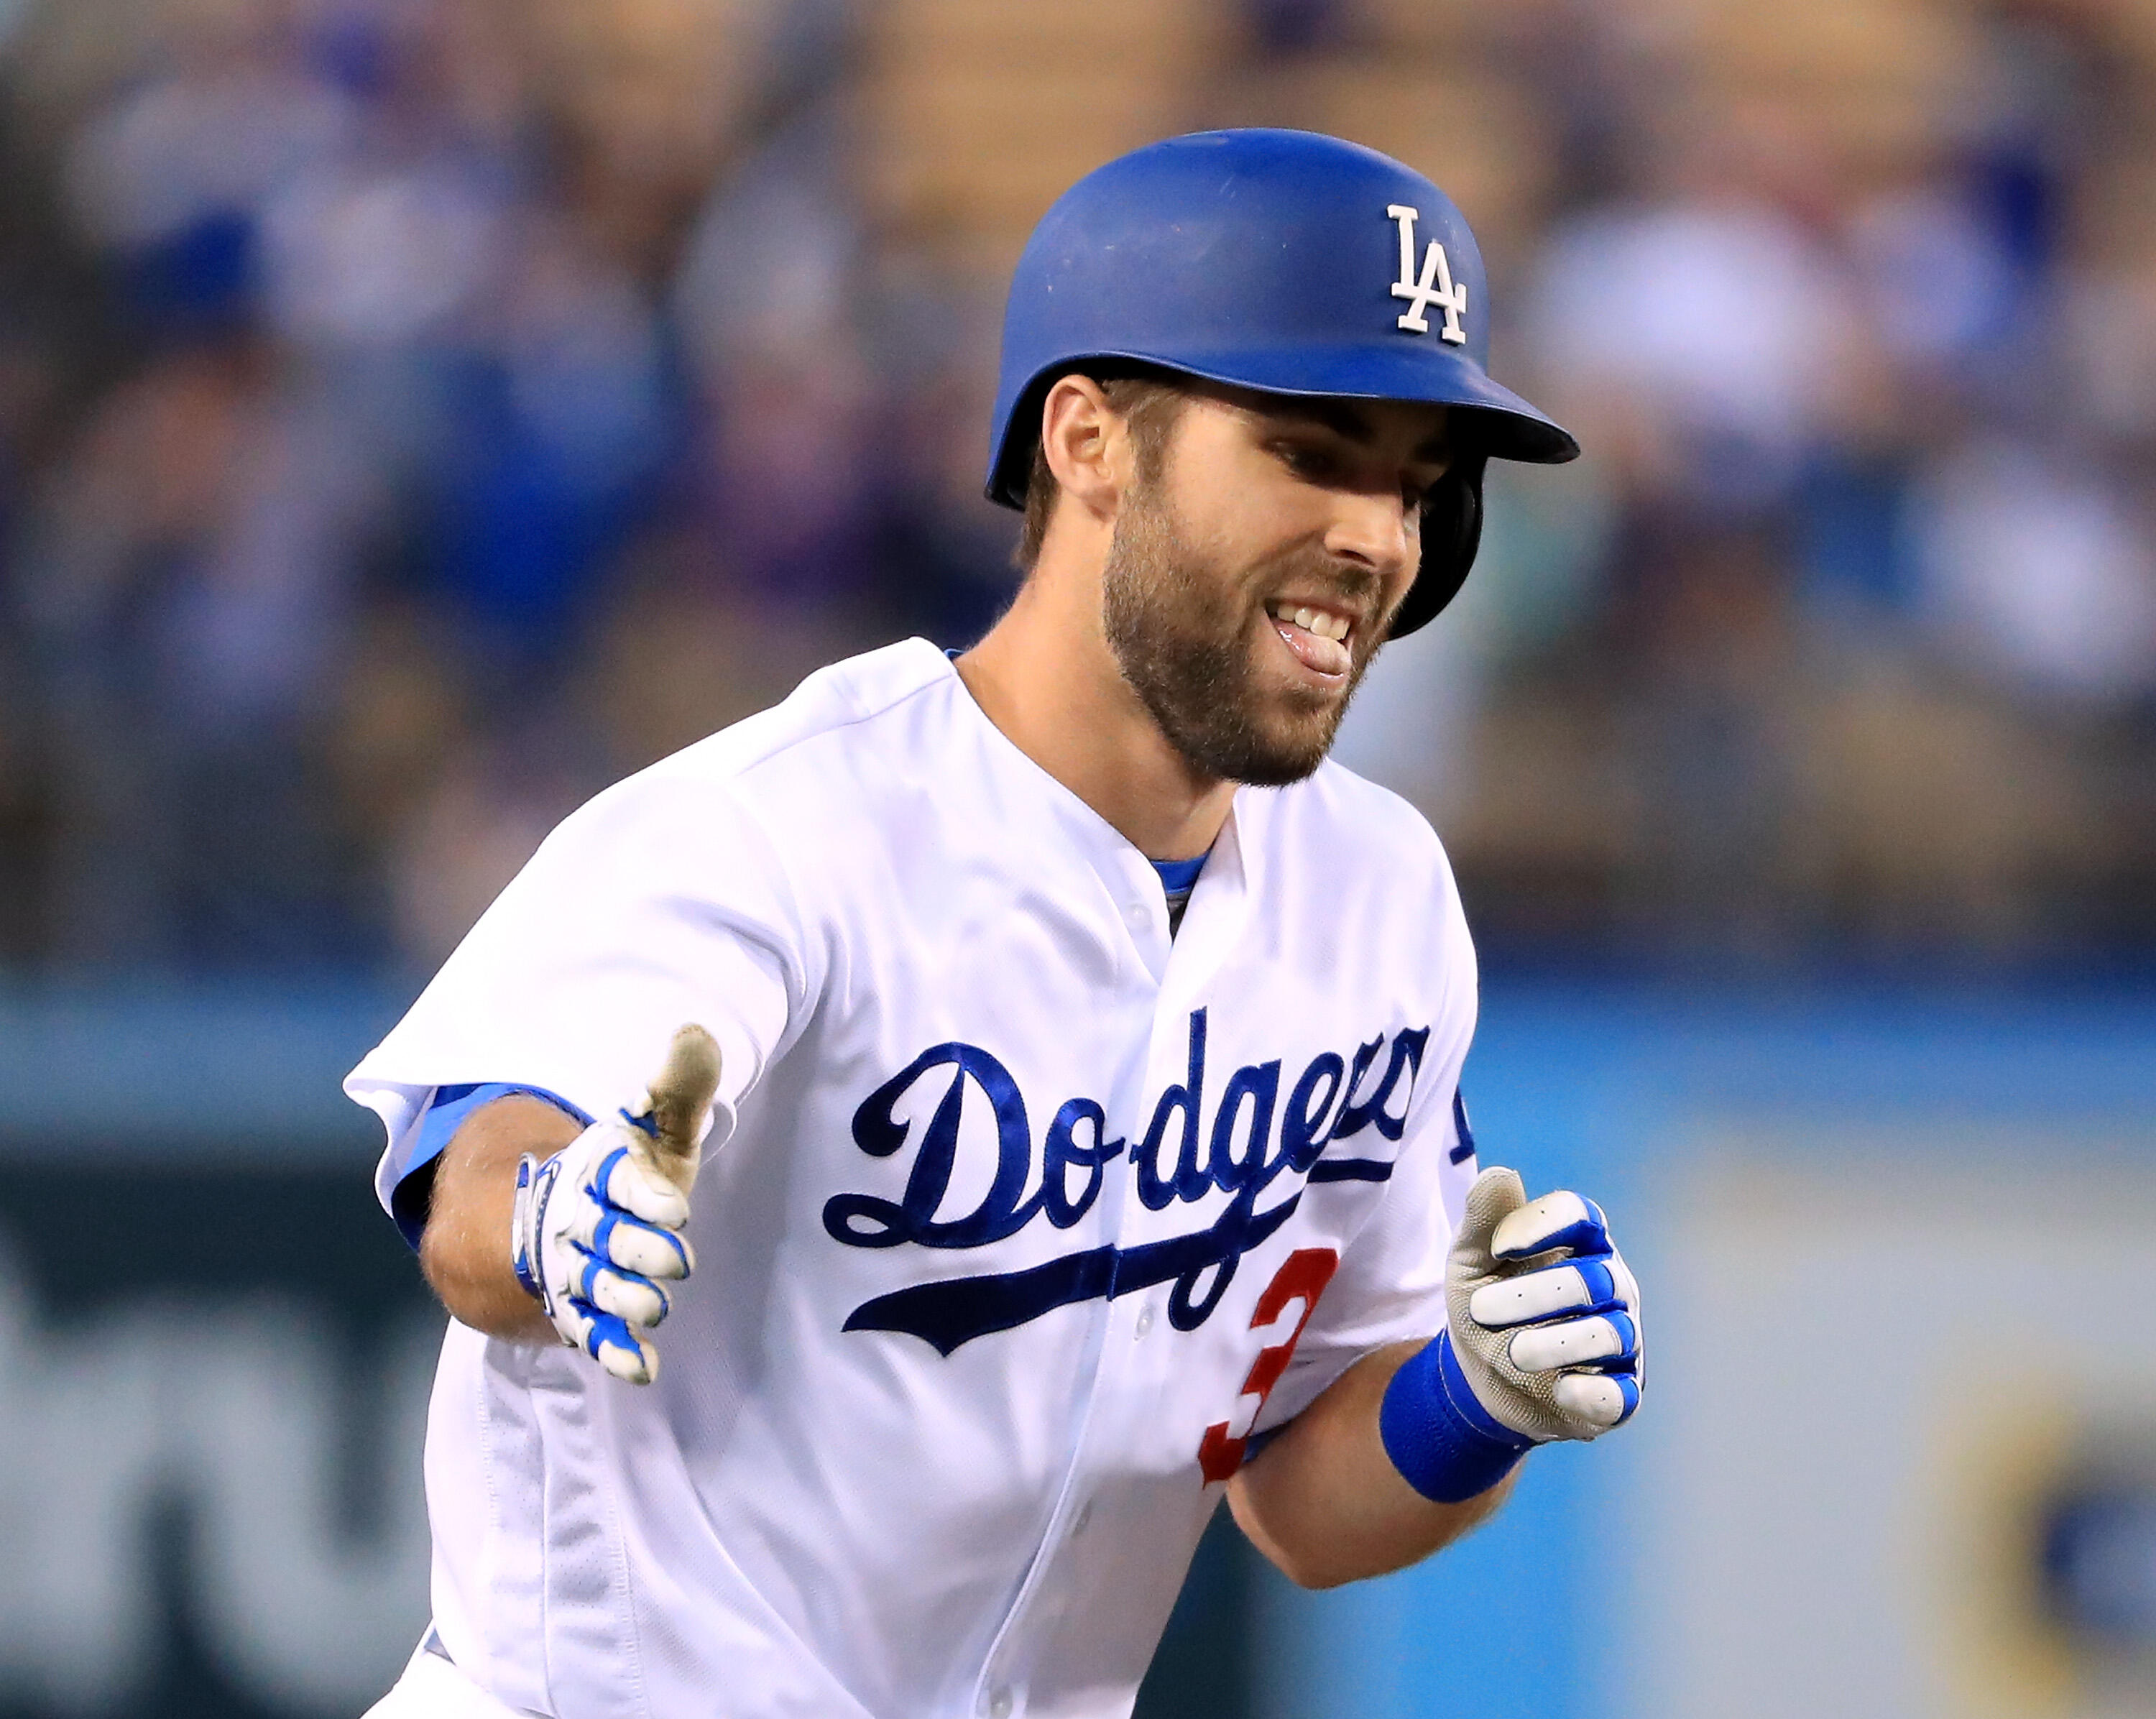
(1374, 529)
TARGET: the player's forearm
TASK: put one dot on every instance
(465, 1249)
(1324, 1501)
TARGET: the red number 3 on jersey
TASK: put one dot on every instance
(1302, 1277)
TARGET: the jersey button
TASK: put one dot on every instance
(999, 1705)
(1139, 915)
(1145, 1323)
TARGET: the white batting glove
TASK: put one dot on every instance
(596, 1234)
(1543, 1313)
(1541, 1342)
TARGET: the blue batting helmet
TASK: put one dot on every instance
(1283, 261)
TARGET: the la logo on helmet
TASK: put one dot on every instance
(1433, 286)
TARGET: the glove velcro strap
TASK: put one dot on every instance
(1443, 1443)
(535, 1181)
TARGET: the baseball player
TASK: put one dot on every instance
(1018, 1095)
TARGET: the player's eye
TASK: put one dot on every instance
(1415, 488)
(1312, 464)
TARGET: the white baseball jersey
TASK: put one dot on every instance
(1018, 1215)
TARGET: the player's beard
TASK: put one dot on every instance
(1186, 633)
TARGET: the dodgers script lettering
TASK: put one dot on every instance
(1242, 1144)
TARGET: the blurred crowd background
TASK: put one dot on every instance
(415, 413)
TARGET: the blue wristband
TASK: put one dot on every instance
(1444, 1443)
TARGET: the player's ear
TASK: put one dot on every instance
(1086, 444)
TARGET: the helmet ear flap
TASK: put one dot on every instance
(1452, 533)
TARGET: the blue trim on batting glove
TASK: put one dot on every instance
(445, 1114)
(1444, 1443)
(1588, 1238)
(535, 1187)
(606, 1328)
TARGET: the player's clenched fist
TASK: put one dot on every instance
(1543, 1314)
(1541, 1342)
(596, 1235)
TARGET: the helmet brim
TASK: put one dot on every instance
(1501, 424)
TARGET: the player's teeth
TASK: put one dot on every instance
(1320, 622)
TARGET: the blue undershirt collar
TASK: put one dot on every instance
(1179, 877)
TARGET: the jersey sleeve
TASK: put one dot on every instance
(1389, 1286)
(438, 1120)
(660, 902)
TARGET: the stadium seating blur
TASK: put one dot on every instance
(383, 381)
(415, 414)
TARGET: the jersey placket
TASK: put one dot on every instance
(1181, 966)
